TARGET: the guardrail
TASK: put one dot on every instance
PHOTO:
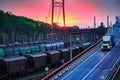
(117, 74)
(69, 62)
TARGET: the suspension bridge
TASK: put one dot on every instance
(89, 64)
(100, 65)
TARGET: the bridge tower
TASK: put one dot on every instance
(58, 4)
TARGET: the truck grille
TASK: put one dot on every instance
(105, 46)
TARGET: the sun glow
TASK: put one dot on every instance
(60, 23)
(68, 21)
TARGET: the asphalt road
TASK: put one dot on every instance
(99, 65)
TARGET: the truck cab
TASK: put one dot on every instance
(108, 42)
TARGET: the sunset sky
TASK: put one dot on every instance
(78, 12)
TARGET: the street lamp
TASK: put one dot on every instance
(70, 46)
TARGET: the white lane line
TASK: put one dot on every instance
(115, 63)
(99, 63)
(81, 64)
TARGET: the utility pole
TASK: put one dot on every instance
(111, 26)
(94, 22)
(108, 21)
(94, 29)
(70, 46)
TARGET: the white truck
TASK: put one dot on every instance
(108, 42)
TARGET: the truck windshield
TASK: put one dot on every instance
(106, 42)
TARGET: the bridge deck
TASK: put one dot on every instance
(98, 66)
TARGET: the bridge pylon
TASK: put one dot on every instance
(58, 4)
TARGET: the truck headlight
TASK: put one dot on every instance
(109, 46)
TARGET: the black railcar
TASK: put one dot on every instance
(65, 54)
(53, 57)
(36, 61)
(12, 65)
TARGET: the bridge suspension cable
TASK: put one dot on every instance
(72, 18)
(78, 19)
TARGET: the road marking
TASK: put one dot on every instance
(115, 63)
(102, 77)
(99, 62)
(81, 63)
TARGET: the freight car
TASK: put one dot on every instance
(25, 50)
(65, 55)
(67, 44)
(11, 51)
(85, 45)
(36, 61)
(53, 57)
(60, 45)
(78, 49)
(54, 46)
(17, 51)
(11, 66)
(31, 49)
(48, 47)
(2, 53)
(42, 47)
(35, 57)
(74, 51)
(35, 49)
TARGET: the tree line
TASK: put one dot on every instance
(22, 29)
(14, 28)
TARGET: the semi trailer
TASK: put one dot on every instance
(108, 42)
